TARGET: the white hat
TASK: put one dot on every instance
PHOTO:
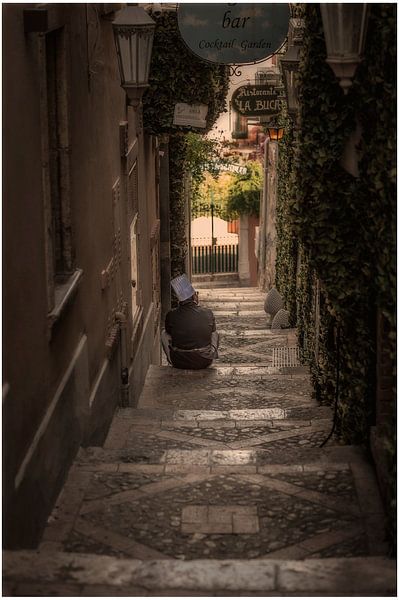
(182, 287)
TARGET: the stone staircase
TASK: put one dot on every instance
(216, 485)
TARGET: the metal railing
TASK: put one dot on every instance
(215, 259)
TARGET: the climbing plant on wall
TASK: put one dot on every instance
(287, 243)
(344, 225)
(336, 216)
(376, 81)
(178, 76)
(177, 204)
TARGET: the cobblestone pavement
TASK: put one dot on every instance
(221, 464)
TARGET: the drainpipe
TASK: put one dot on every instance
(122, 321)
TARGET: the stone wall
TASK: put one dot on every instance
(270, 199)
(385, 409)
(107, 179)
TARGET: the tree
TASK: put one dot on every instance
(212, 190)
(204, 162)
(244, 192)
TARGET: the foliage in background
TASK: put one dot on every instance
(244, 192)
(204, 163)
(177, 75)
(344, 227)
(212, 190)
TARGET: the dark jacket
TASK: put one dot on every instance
(191, 327)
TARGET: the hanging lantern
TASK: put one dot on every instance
(345, 33)
(134, 34)
(289, 63)
(275, 133)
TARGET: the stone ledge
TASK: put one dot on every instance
(349, 576)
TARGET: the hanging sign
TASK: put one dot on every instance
(258, 100)
(228, 167)
(190, 115)
(233, 33)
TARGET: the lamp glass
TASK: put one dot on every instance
(344, 29)
(275, 133)
(345, 33)
(289, 66)
(134, 33)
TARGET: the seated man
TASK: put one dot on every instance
(190, 339)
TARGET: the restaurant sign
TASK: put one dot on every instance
(233, 33)
(258, 100)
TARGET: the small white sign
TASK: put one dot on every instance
(191, 115)
(231, 167)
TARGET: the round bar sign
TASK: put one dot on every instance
(233, 33)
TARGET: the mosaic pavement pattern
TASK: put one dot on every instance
(294, 511)
(222, 464)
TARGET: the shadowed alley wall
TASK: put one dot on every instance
(80, 222)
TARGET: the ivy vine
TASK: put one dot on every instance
(287, 245)
(178, 76)
(340, 228)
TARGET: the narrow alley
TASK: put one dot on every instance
(225, 465)
(247, 151)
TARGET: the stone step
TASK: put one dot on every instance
(219, 504)
(219, 370)
(220, 305)
(248, 416)
(227, 296)
(243, 323)
(225, 312)
(261, 333)
(234, 291)
(214, 278)
(56, 574)
(120, 458)
(236, 366)
(269, 428)
(251, 299)
(225, 388)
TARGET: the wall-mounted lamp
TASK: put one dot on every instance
(275, 132)
(134, 34)
(289, 63)
(345, 33)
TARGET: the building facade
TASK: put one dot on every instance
(80, 247)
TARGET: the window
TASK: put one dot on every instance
(261, 77)
(134, 266)
(133, 219)
(62, 277)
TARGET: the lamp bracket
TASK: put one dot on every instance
(134, 94)
(126, 31)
